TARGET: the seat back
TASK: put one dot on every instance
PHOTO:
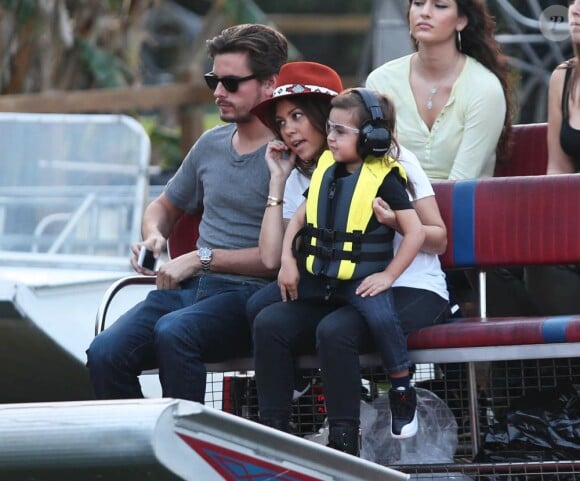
(529, 151)
(499, 221)
(184, 235)
(511, 221)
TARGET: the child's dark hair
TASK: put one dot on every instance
(351, 100)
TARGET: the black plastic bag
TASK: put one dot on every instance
(543, 425)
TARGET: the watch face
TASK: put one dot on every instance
(204, 253)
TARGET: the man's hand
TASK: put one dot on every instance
(172, 273)
(157, 244)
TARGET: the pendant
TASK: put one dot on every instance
(430, 99)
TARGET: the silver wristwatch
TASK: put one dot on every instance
(205, 254)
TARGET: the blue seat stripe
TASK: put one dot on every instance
(554, 329)
(464, 223)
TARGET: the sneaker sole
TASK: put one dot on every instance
(413, 426)
(297, 394)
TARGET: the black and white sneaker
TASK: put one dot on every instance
(302, 378)
(300, 390)
(403, 404)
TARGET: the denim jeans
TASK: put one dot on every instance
(332, 329)
(177, 331)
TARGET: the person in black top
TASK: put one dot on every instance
(555, 289)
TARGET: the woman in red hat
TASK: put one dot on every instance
(297, 113)
(284, 330)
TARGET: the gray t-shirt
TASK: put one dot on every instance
(231, 188)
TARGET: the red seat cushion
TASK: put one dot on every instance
(473, 332)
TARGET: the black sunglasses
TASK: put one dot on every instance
(231, 84)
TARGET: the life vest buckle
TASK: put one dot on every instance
(328, 235)
(327, 254)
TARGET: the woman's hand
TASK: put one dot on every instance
(280, 159)
(384, 214)
(288, 278)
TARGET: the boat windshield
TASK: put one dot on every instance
(72, 189)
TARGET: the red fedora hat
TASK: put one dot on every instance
(299, 78)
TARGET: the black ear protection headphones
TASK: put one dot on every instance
(374, 138)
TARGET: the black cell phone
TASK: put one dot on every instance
(146, 259)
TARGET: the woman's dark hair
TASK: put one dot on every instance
(478, 41)
(574, 65)
(267, 49)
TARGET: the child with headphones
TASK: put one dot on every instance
(335, 251)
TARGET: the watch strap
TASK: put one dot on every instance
(205, 255)
(205, 264)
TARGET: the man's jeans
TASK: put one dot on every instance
(177, 331)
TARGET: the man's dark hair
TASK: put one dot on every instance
(267, 49)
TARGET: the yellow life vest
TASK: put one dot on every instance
(338, 211)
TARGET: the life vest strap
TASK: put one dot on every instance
(356, 237)
(327, 254)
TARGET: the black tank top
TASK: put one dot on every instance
(569, 137)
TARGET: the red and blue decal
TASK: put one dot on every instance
(235, 466)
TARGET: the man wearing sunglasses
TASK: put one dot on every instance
(197, 312)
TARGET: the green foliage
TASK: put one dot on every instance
(308, 6)
(340, 50)
(165, 143)
(106, 70)
(23, 9)
(211, 119)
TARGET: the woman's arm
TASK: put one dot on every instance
(484, 121)
(289, 276)
(428, 211)
(558, 161)
(273, 224)
(435, 231)
(413, 239)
